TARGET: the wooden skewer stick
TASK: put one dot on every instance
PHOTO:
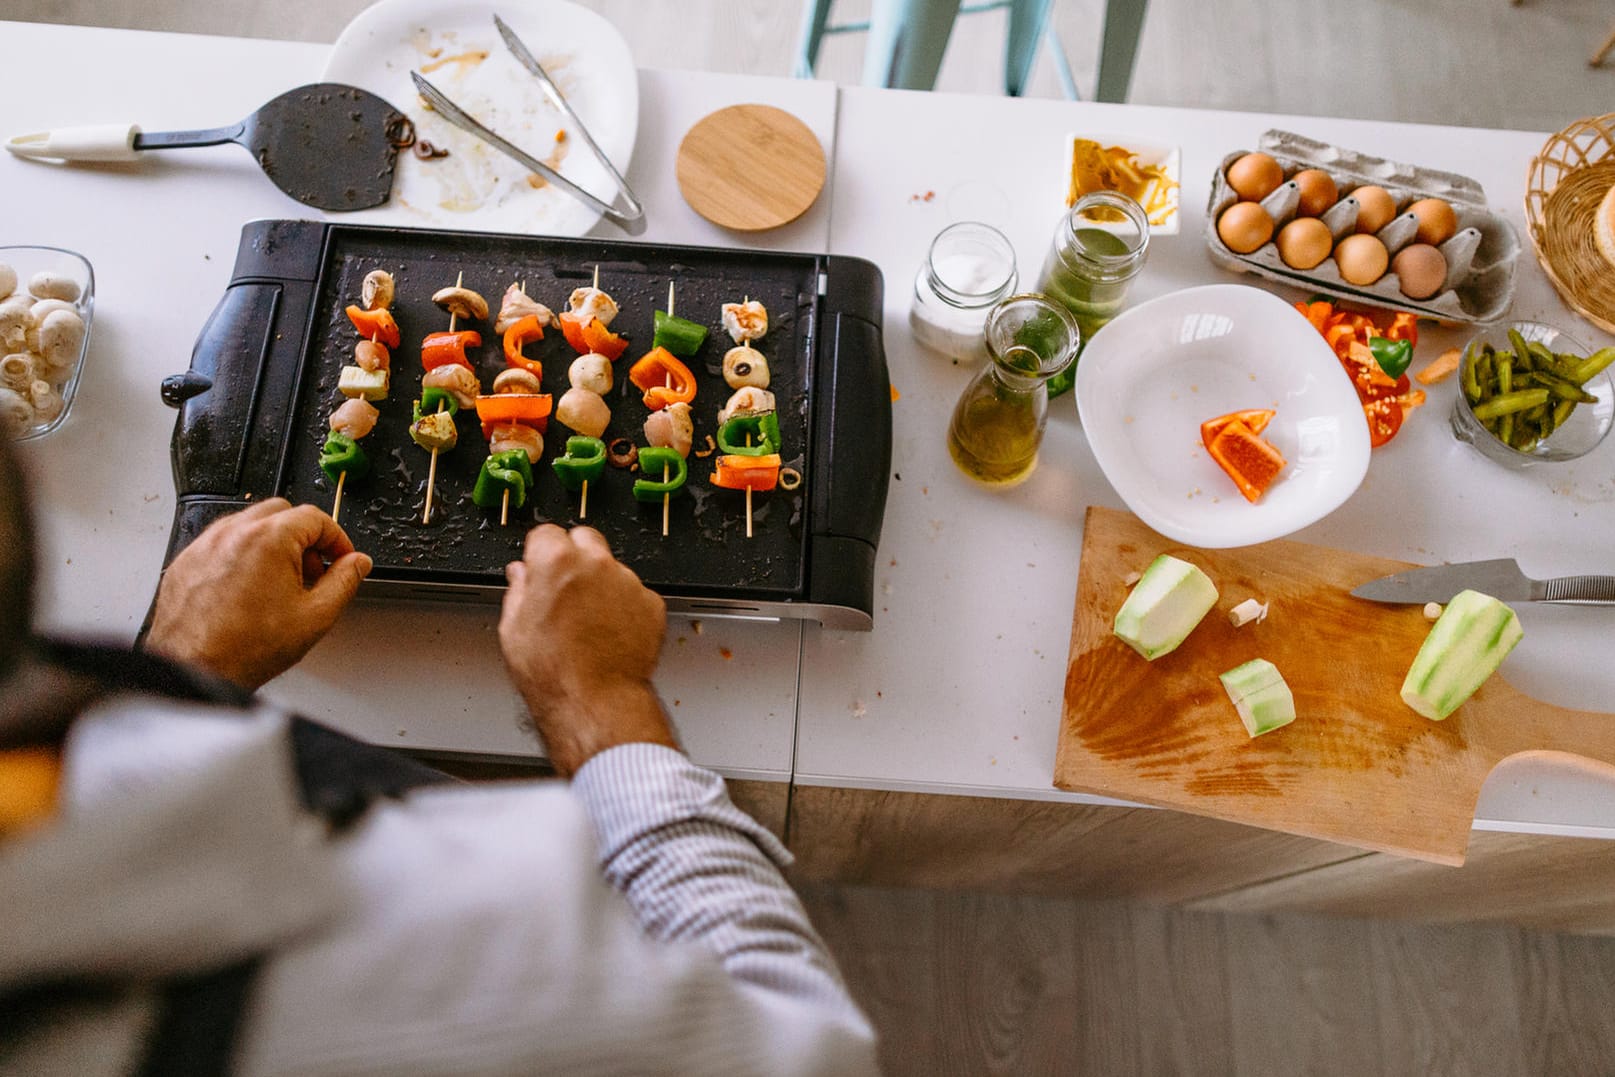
(431, 472)
(748, 496)
(504, 508)
(336, 506)
(667, 382)
(597, 277)
(583, 504)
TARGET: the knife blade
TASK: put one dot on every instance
(1501, 578)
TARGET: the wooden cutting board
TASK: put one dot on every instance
(1356, 766)
(750, 167)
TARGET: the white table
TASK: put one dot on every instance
(962, 702)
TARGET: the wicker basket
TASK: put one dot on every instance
(1567, 181)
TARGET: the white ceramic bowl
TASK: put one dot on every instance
(1148, 380)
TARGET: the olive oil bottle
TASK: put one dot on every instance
(997, 425)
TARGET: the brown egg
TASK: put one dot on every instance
(1362, 259)
(1304, 242)
(1420, 269)
(1318, 191)
(1255, 176)
(1437, 222)
(1244, 226)
(1375, 208)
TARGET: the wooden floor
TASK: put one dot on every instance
(978, 984)
(991, 984)
(1471, 62)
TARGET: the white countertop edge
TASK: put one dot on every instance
(1555, 830)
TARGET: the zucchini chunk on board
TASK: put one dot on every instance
(1465, 646)
(1165, 605)
(1261, 696)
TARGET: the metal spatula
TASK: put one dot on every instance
(325, 144)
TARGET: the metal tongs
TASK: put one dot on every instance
(632, 221)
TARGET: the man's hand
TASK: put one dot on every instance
(581, 637)
(252, 594)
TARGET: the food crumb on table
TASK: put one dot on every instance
(725, 653)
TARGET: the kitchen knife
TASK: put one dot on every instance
(1502, 579)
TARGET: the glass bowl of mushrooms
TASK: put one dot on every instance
(46, 297)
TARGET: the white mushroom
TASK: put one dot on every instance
(746, 401)
(16, 414)
(376, 291)
(372, 355)
(589, 303)
(45, 308)
(14, 322)
(517, 305)
(745, 366)
(671, 428)
(61, 336)
(460, 383)
(461, 302)
(517, 380)
(355, 418)
(591, 372)
(583, 411)
(46, 400)
(745, 321)
(17, 371)
(507, 436)
(48, 285)
(8, 280)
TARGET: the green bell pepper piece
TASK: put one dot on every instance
(652, 459)
(1393, 356)
(434, 400)
(584, 461)
(500, 472)
(764, 431)
(680, 336)
(342, 454)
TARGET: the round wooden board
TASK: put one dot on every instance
(750, 167)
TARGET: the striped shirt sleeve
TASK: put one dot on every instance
(694, 867)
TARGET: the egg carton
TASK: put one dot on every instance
(1480, 257)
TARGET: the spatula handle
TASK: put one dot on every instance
(175, 140)
(1591, 590)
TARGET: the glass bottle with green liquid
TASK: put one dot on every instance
(998, 423)
(1098, 248)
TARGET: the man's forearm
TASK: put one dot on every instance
(695, 867)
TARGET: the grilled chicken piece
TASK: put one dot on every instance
(583, 411)
(507, 436)
(355, 418)
(671, 428)
(460, 382)
(517, 305)
(589, 303)
(745, 321)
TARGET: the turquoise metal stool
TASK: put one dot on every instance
(908, 37)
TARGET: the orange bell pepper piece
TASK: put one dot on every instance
(519, 335)
(529, 409)
(747, 472)
(439, 349)
(664, 379)
(1250, 460)
(1255, 418)
(375, 325)
(592, 336)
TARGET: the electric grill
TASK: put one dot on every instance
(253, 411)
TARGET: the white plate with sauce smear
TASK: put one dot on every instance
(456, 46)
(1148, 380)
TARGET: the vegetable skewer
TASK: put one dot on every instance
(753, 465)
(360, 383)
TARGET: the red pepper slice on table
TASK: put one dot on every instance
(519, 335)
(1384, 420)
(664, 379)
(1349, 335)
(375, 324)
(529, 409)
(440, 348)
(592, 336)
(747, 472)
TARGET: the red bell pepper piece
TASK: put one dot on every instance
(440, 348)
(747, 472)
(375, 324)
(1250, 460)
(592, 336)
(522, 333)
(664, 379)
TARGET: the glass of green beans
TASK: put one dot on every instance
(1528, 393)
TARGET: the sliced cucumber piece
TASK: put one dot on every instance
(1465, 646)
(1164, 606)
(1260, 695)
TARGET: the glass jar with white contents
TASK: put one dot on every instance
(969, 269)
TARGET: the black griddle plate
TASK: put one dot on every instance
(706, 544)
